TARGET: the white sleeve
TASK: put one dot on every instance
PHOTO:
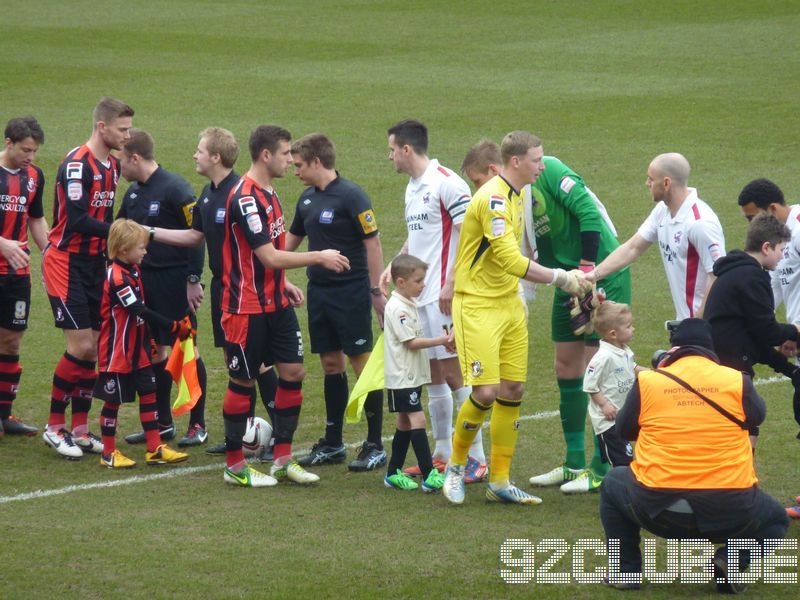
(649, 229)
(455, 196)
(777, 291)
(707, 238)
(593, 375)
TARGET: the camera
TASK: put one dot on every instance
(659, 355)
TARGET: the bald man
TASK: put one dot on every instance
(687, 231)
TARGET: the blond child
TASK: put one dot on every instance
(123, 359)
(608, 379)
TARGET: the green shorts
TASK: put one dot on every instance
(618, 289)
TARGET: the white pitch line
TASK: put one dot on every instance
(181, 471)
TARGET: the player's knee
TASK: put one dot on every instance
(332, 363)
(485, 394)
(292, 372)
(512, 390)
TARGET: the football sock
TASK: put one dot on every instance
(440, 407)
(82, 397)
(65, 378)
(148, 416)
(598, 467)
(235, 409)
(288, 400)
(468, 422)
(504, 428)
(574, 403)
(335, 390)
(163, 391)
(373, 410)
(10, 373)
(198, 413)
(108, 426)
(476, 449)
(267, 387)
(419, 440)
(400, 443)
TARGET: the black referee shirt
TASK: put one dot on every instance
(339, 217)
(209, 219)
(164, 200)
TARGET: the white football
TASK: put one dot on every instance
(256, 436)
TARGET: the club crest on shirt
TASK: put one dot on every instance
(677, 237)
(477, 368)
(31, 184)
(110, 386)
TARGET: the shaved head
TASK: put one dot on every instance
(672, 165)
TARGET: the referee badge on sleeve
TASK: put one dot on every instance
(367, 220)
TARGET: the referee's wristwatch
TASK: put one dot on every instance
(193, 278)
(376, 291)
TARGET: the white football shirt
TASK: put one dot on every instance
(403, 368)
(611, 371)
(435, 203)
(690, 243)
(786, 276)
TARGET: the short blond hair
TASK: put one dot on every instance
(481, 156)
(517, 143)
(124, 235)
(609, 315)
(223, 142)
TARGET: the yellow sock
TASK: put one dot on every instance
(504, 428)
(468, 423)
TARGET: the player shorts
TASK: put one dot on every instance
(263, 338)
(118, 388)
(340, 317)
(613, 449)
(15, 301)
(492, 339)
(165, 293)
(434, 324)
(617, 288)
(74, 284)
(405, 400)
(216, 312)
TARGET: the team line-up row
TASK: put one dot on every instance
(473, 250)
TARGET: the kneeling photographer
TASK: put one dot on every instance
(693, 475)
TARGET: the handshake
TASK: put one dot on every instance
(585, 298)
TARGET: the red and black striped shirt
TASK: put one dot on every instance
(254, 217)
(124, 343)
(21, 194)
(84, 202)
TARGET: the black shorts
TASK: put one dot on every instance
(165, 293)
(117, 388)
(340, 317)
(15, 301)
(216, 312)
(613, 449)
(405, 400)
(74, 285)
(264, 338)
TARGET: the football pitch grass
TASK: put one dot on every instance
(607, 85)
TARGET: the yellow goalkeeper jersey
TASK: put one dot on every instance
(488, 261)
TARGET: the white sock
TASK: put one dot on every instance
(476, 449)
(440, 407)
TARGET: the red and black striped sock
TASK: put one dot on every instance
(235, 409)
(148, 415)
(65, 378)
(10, 372)
(82, 397)
(108, 426)
(288, 400)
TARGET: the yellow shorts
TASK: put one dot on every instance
(492, 339)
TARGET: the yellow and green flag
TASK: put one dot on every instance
(371, 379)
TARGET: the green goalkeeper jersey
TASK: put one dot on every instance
(563, 207)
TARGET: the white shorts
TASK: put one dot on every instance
(434, 324)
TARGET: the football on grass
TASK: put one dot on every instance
(257, 435)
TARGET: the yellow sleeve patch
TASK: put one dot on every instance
(367, 220)
(187, 213)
